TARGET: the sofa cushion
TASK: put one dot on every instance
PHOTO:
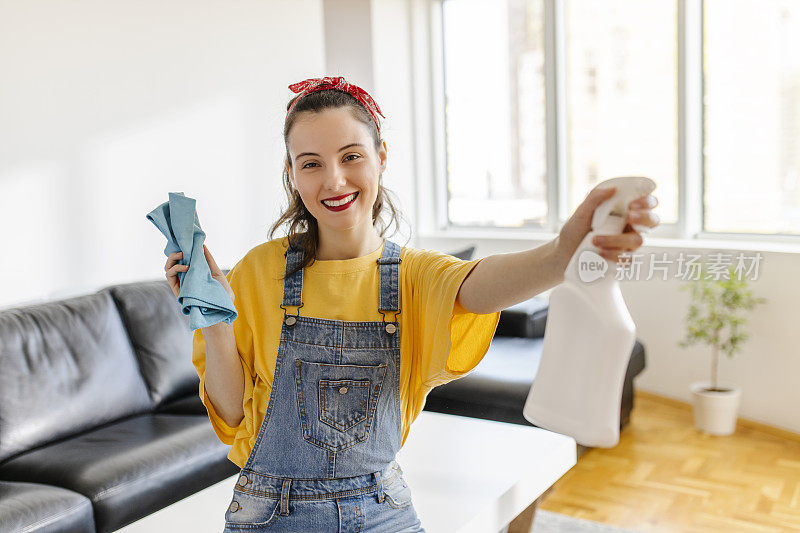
(67, 366)
(43, 508)
(161, 339)
(190, 405)
(131, 468)
(525, 319)
(498, 386)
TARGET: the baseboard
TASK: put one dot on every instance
(745, 422)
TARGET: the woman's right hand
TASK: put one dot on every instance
(172, 268)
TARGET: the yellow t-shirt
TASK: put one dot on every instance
(440, 340)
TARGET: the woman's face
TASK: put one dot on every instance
(333, 155)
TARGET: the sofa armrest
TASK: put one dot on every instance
(525, 319)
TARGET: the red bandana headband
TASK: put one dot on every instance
(318, 84)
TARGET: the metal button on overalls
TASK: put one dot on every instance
(324, 448)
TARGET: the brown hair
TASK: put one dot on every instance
(303, 231)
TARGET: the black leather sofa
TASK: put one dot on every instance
(100, 419)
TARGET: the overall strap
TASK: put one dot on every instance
(389, 272)
(292, 285)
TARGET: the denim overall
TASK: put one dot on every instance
(324, 458)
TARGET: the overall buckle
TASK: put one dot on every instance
(291, 320)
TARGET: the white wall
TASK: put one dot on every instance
(768, 366)
(105, 107)
(393, 89)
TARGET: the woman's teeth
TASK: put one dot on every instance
(334, 203)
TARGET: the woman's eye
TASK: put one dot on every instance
(349, 155)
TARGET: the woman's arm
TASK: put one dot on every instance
(224, 381)
(502, 280)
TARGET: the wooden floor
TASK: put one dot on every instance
(667, 476)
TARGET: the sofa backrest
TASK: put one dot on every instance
(161, 338)
(464, 254)
(66, 366)
(525, 319)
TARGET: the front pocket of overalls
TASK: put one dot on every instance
(337, 403)
(249, 511)
(343, 402)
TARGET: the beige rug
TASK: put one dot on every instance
(550, 522)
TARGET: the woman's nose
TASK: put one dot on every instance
(336, 177)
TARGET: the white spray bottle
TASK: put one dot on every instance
(589, 335)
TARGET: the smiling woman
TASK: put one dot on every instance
(334, 415)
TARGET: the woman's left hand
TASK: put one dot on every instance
(640, 213)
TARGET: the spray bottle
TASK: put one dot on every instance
(589, 335)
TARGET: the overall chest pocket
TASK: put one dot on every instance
(337, 403)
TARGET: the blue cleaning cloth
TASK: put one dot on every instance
(202, 297)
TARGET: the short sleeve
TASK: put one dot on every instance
(244, 345)
(448, 340)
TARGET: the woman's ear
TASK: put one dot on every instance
(289, 172)
(382, 155)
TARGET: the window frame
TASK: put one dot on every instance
(687, 231)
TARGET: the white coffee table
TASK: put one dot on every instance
(466, 475)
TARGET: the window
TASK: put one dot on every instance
(621, 96)
(599, 80)
(495, 112)
(752, 116)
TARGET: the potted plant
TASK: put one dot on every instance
(715, 318)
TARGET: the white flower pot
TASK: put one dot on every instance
(715, 412)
